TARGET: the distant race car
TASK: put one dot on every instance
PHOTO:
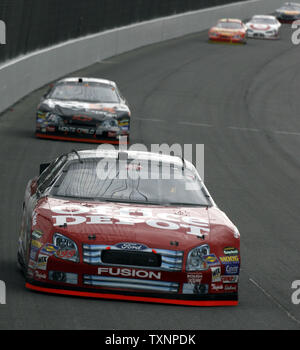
(83, 109)
(228, 30)
(288, 13)
(127, 225)
(263, 27)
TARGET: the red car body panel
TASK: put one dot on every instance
(226, 34)
(176, 229)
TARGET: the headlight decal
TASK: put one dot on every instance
(196, 260)
(66, 248)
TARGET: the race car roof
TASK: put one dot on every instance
(291, 4)
(230, 20)
(87, 80)
(264, 16)
(133, 155)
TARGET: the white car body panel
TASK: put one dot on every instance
(257, 28)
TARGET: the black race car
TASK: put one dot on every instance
(84, 109)
(288, 13)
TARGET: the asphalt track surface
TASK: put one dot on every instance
(240, 101)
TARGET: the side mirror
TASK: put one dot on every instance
(43, 167)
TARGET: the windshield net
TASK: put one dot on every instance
(85, 92)
(131, 181)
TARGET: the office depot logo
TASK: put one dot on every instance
(2, 293)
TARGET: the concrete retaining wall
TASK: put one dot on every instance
(28, 73)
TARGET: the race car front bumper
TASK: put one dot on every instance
(262, 34)
(224, 299)
(285, 18)
(227, 39)
(199, 288)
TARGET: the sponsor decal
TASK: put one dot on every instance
(30, 272)
(70, 215)
(49, 249)
(33, 252)
(231, 251)
(65, 253)
(216, 274)
(232, 269)
(32, 264)
(216, 287)
(197, 288)
(194, 278)
(129, 272)
(229, 259)
(40, 275)
(42, 262)
(230, 287)
(131, 246)
(34, 216)
(37, 234)
(36, 244)
(72, 129)
(230, 279)
(82, 118)
(211, 260)
(50, 128)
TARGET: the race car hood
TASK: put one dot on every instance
(226, 31)
(260, 26)
(289, 12)
(155, 226)
(98, 111)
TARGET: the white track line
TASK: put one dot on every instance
(243, 129)
(196, 124)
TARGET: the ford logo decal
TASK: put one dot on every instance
(131, 246)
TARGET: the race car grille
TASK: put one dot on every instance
(288, 17)
(169, 260)
(121, 257)
(130, 283)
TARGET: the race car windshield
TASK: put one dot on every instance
(288, 7)
(127, 181)
(229, 25)
(84, 92)
(263, 20)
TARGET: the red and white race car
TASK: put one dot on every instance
(263, 27)
(127, 225)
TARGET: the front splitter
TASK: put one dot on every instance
(127, 297)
